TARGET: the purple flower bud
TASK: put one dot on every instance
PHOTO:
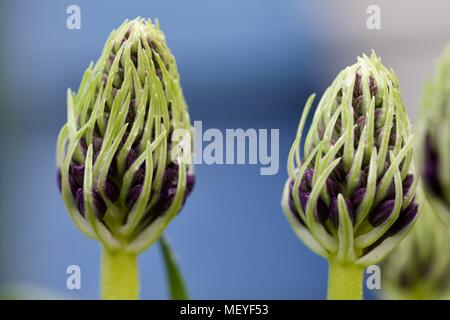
(73, 185)
(305, 184)
(333, 188)
(334, 212)
(100, 205)
(405, 218)
(378, 215)
(304, 197)
(164, 201)
(170, 175)
(111, 190)
(79, 199)
(407, 183)
(78, 174)
(321, 211)
(131, 158)
(139, 175)
(134, 194)
(357, 197)
(113, 168)
(339, 172)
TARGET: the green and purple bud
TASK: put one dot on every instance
(122, 176)
(351, 195)
(434, 138)
(419, 268)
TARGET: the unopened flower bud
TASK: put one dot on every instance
(122, 176)
(350, 196)
(434, 138)
(419, 268)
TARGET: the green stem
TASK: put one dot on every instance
(345, 281)
(119, 276)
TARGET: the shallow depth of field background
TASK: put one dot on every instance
(243, 64)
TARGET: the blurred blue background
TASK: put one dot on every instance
(243, 64)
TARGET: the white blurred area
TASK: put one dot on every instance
(413, 34)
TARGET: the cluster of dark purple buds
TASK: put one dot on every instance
(120, 126)
(358, 149)
(112, 192)
(377, 215)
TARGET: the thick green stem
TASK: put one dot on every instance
(345, 281)
(119, 276)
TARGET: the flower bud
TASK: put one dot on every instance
(357, 168)
(122, 176)
(419, 268)
(434, 138)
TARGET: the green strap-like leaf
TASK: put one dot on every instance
(177, 287)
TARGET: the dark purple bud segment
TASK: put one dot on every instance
(306, 183)
(133, 196)
(139, 175)
(111, 190)
(78, 174)
(304, 197)
(131, 158)
(405, 218)
(357, 197)
(164, 201)
(407, 183)
(79, 199)
(431, 169)
(100, 206)
(321, 211)
(334, 212)
(333, 188)
(73, 185)
(381, 212)
(339, 172)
